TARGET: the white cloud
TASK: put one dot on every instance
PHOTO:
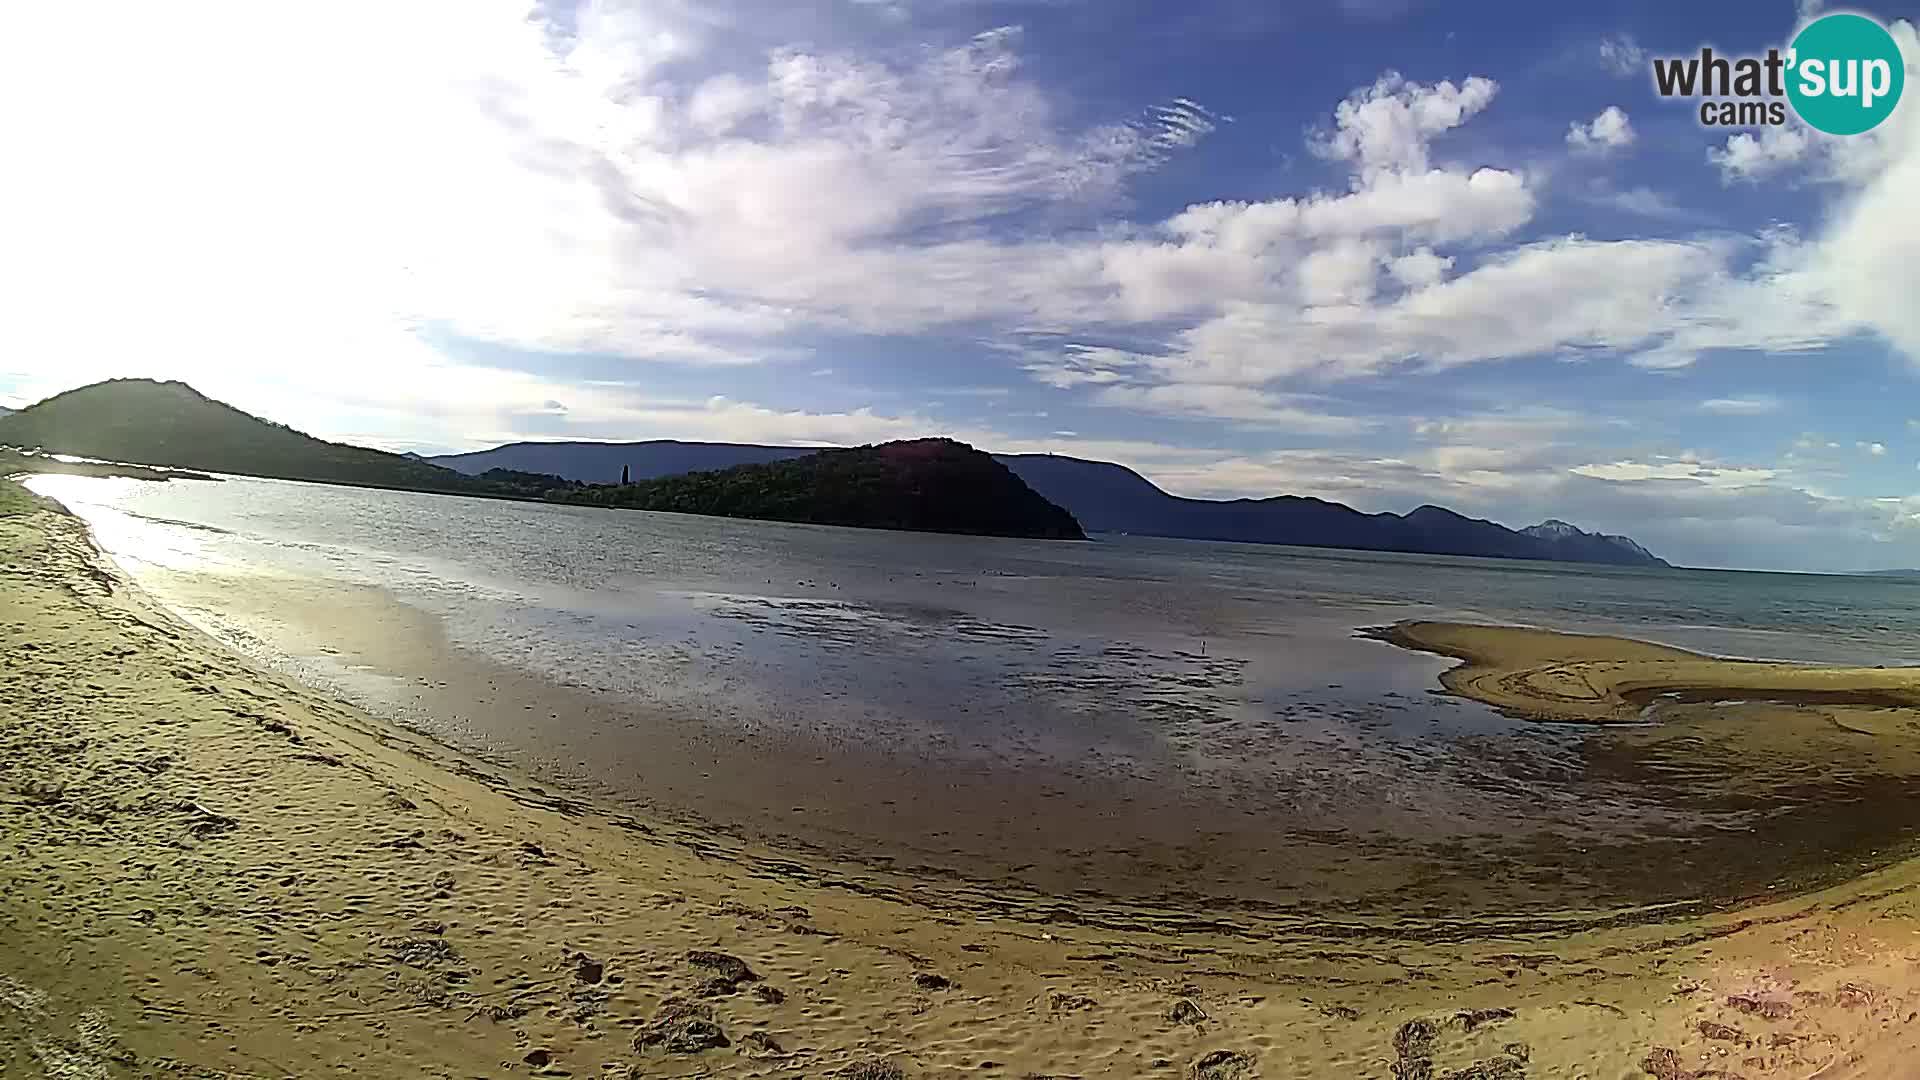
(658, 183)
(1571, 293)
(1183, 123)
(1749, 159)
(1866, 255)
(1435, 204)
(1643, 201)
(1677, 469)
(720, 418)
(1081, 365)
(723, 102)
(1530, 426)
(1622, 55)
(1267, 410)
(1605, 133)
(1419, 268)
(1286, 290)
(1344, 272)
(620, 185)
(1749, 405)
(1389, 124)
(1804, 155)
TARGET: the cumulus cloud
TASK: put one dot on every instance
(1419, 268)
(1661, 303)
(1605, 133)
(1567, 294)
(1865, 255)
(678, 183)
(1747, 158)
(1346, 286)
(1390, 124)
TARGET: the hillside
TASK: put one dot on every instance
(170, 423)
(601, 462)
(924, 485)
(934, 485)
(1105, 497)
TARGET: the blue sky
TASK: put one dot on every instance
(1383, 251)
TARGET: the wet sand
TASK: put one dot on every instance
(214, 871)
(1377, 804)
(1584, 678)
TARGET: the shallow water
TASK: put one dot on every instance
(1127, 715)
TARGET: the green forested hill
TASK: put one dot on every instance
(926, 485)
(170, 423)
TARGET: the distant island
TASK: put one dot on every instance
(1105, 497)
(922, 485)
(933, 485)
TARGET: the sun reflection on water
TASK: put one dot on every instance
(129, 537)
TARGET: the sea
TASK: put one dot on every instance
(1124, 715)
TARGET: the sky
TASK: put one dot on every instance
(1389, 252)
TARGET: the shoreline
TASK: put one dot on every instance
(1552, 676)
(1010, 824)
(230, 873)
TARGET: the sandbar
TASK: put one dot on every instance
(1549, 675)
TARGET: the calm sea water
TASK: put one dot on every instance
(1071, 704)
(487, 560)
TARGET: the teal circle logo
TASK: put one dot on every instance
(1845, 74)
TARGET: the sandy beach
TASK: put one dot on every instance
(213, 871)
(1584, 678)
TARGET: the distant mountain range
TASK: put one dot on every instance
(920, 484)
(1106, 497)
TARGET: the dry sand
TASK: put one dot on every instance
(211, 871)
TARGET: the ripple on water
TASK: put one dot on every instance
(1127, 708)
